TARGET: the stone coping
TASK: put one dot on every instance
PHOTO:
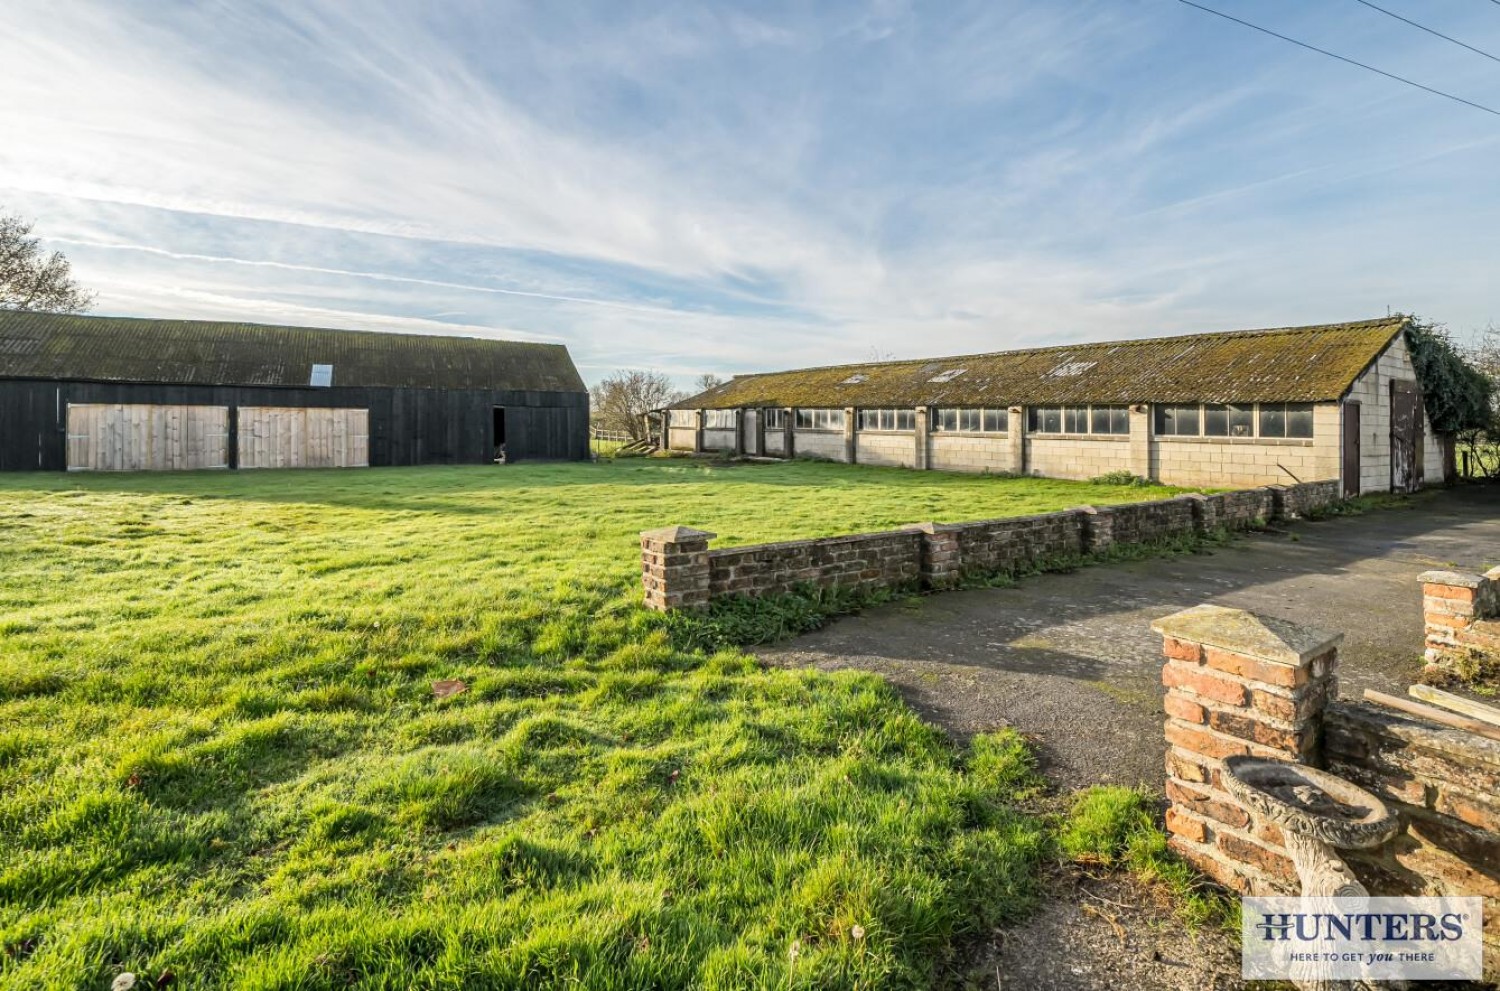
(1454, 579)
(1274, 640)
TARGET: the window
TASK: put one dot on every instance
(683, 418)
(1078, 420)
(1177, 421)
(1044, 419)
(1286, 420)
(774, 418)
(888, 419)
(1109, 420)
(322, 376)
(718, 419)
(971, 421)
(820, 419)
(1220, 420)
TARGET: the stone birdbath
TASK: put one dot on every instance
(1319, 813)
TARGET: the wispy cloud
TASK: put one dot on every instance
(721, 187)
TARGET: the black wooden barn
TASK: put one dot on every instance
(86, 392)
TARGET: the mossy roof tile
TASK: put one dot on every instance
(196, 352)
(1293, 364)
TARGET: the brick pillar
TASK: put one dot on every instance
(1098, 529)
(1015, 431)
(789, 434)
(698, 417)
(923, 427)
(1206, 510)
(851, 451)
(1238, 684)
(1140, 441)
(942, 562)
(1452, 602)
(739, 432)
(674, 568)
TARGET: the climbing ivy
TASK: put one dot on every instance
(1458, 396)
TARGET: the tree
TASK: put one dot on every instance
(31, 279)
(1459, 387)
(706, 381)
(622, 403)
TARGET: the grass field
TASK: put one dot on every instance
(220, 754)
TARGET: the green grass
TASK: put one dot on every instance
(220, 754)
(1116, 827)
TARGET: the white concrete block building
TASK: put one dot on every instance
(1299, 404)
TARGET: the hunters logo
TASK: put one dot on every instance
(1369, 939)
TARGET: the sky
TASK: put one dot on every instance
(716, 188)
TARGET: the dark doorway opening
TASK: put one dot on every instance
(497, 435)
(1352, 461)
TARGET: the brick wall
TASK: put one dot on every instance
(887, 560)
(1244, 684)
(938, 555)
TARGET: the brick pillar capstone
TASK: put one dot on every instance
(942, 559)
(1238, 683)
(674, 568)
(1452, 602)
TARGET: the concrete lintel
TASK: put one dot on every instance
(1262, 637)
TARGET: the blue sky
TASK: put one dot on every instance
(723, 188)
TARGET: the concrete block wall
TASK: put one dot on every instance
(940, 554)
(1077, 457)
(1238, 683)
(970, 452)
(827, 444)
(895, 449)
(718, 440)
(682, 439)
(1232, 461)
(1372, 391)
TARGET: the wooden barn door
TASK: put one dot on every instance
(1406, 436)
(143, 437)
(303, 437)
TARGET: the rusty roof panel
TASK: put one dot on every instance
(1293, 364)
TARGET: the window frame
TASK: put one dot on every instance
(886, 419)
(1241, 421)
(773, 417)
(719, 419)
(826, 419)
(970, 419)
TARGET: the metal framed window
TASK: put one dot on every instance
(1044, 419)
(774, 417)
(971, 421)
(1178, 421)
(682, 418)
(1109, 420)
(718, 419)
(1286, 420)
(820, 419)
(887, 419)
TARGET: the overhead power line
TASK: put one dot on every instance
(1350, 61)
(1435, 34)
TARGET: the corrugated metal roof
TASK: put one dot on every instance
(1293, 364)
(195, 352)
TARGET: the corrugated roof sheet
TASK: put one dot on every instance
(195, 352)
(1293, 364)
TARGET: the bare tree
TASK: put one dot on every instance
(30, 279)
(706, 381)
(623, 401)
(1480, 442)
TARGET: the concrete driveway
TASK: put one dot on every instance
(1071, 659)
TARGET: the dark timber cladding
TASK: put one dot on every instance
(431, 399)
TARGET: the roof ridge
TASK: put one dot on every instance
(1398, 319)
(22, 315)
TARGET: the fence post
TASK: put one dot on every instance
(674, 568)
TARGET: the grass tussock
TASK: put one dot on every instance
(1116, 827)
(221, 756)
